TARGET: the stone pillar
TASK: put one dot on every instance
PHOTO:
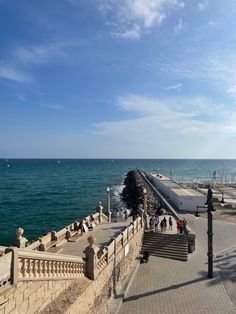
(99, 209)
(14, 264)
(20, 241)
(91, 258)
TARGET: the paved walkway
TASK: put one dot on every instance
(103, 233)
(172, 287)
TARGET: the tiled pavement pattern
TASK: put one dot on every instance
(171, 287)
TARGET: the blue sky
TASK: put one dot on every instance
(118, 79)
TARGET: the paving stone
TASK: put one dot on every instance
(167, 286)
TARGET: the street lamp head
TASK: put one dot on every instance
(144, 191)
(108, 189)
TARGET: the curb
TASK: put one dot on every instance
(118, 302)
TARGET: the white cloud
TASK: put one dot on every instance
(179, 27)
(130, 18)
(40, 54)
(177, 87)
(176, 127)
(202, 6)
(12, 73)
(232, 90)
(180, 115)
(132, 33)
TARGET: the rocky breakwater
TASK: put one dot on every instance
(133, 194)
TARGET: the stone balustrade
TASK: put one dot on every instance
(56, 238)
(33, 265)
(107, 254)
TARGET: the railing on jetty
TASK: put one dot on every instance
(56, 238)
(186, 230)
(160, 196)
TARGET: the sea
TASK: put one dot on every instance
(43, 195)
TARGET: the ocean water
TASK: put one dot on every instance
(42, 195)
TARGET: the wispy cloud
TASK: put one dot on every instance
(41, 53)
(130, 19)
(179, 27)
(180, 115)
(232, 90)
(10, 72)
(178, 126)
(202, 6)
(177, 87)
(53, 107)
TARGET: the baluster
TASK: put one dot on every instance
(56, 268)
(59, 269)
(34, 268)
(21, 267)
(44, 270)
(40, 273)
(29, 268)
(50, 268)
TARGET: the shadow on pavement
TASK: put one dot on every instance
(173, 287)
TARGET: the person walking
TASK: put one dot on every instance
(162, 226)
(178, 226)
(165, 223)
(156, 221)
(170, 223)
(126, 214)
(181, 226)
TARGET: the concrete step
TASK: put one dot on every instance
(174, 246)
(164, 248)
(175, 257)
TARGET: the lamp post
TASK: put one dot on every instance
(210, 208)
(108, 204)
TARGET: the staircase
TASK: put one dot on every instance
(174, 246)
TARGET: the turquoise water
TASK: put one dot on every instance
(44, 195)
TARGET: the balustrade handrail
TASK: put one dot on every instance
(29, 254)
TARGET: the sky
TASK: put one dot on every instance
(117, 79)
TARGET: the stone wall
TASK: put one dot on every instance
(98, 295)
(31, 296)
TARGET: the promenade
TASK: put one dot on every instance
(103, 233)
(172, 287)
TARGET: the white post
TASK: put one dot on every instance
(108, 204)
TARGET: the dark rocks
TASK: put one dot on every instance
(132, 193)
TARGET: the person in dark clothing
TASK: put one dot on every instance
(170, 223)
(145, 257)
(165, 223)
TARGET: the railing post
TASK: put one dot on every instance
(91, 259)
(14, 264)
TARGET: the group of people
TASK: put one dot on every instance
(155, 221)
(121, 215)
(181, 224)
